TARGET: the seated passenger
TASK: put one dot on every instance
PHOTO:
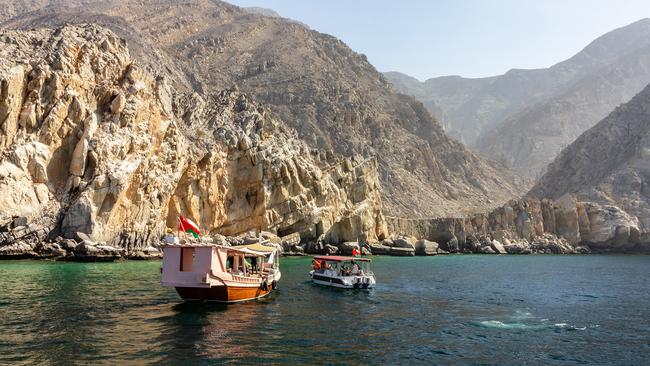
(316, 265)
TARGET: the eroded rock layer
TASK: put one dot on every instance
(531, 225)
(332, 96)
(91, 143)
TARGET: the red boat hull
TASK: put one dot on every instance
(222, 293)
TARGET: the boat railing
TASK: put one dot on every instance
(241, 278)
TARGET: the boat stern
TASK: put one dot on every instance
(186, 266)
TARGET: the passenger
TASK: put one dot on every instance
(355, 269)
(316, 265)
(346, 270)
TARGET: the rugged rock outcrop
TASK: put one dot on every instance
(331, 95)
(92, 143)
(609, 165)
(532, 226)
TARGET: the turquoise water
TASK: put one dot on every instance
(462, 309)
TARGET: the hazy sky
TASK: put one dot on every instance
(472, 38)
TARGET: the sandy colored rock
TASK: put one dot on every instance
(122, 169)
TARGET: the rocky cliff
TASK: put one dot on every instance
(91, 143)
(529, 140)
(531, 225)
(608, 164)
(523, 118)
(329, 94)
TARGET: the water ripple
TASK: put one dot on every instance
(440, 310)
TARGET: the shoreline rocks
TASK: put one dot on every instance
(531, 225)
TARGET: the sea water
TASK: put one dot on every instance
(457, 309)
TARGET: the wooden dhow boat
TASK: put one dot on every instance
(208, 272)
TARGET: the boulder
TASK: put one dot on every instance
(86, 248)
(426, 247)
(378, 249)
(145, 254)
(298, 249)
(84, 237)
(498, 247)
(348, 246)
(50, 250)
(267, 235)
(289, 240)
(118, 103)
(404, 242)
(487, 250)
(517, 248)
(90, 252)
(401, 252)
(220, 240)
(108, 250)
(17, 250)
(452, 245)
(314, 247)
(330, 249)
(18, 221)
(67, 244)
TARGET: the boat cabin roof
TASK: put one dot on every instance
(340, 258)
(256, 249)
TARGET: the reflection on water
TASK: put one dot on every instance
(450, 310)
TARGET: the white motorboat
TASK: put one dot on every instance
(342, 272)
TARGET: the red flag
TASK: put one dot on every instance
(355, 252)
(188, 226)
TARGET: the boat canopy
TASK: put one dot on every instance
(340, 258)
(254, 249)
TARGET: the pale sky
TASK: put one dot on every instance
(472, 38)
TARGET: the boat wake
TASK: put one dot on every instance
(502, 325)
(526, 321)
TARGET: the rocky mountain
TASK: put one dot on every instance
(531, 225)
(92, 145)
(409, 85)
(609, 164)
(523, 118)
(329, 94)
(262, 11)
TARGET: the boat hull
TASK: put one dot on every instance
(225, 294)
(340, 283)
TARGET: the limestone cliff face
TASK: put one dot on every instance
(531, 225)
(609, 163)
(92, 143)
(332, 96)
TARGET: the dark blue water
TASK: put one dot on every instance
(532, 310)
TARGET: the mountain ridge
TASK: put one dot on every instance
(330, 94)
(476, 108)
(608, 163)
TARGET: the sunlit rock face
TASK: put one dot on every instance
(531, 225)
(90, 142)
(609, 165)
(330, 94)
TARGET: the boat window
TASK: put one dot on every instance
(187, 259)
(230, 264)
